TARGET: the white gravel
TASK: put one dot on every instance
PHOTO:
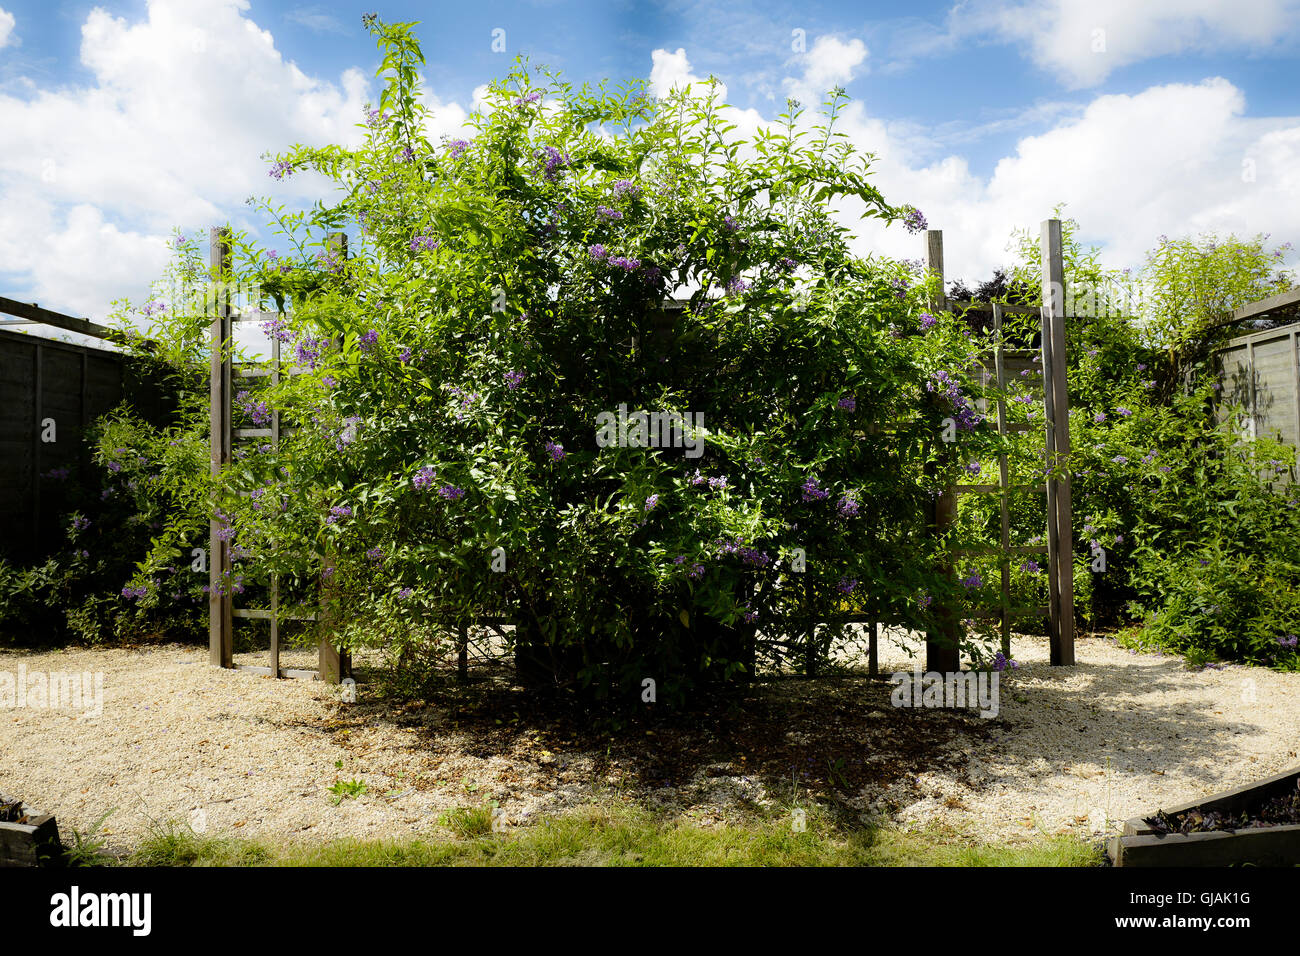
(1075, 750)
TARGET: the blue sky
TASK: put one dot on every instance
(984, 113)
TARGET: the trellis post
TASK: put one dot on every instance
(1060, 535)
(332, 664)
(220, 603)
(942, 652)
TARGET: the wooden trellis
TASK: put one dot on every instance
(942, 656)
(332, 665)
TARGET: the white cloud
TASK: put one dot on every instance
(830, 63)
(1084, 40)
(168, 132)
(316, 20)
(6, 27)
(1175, 159)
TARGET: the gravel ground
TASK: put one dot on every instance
(1073, 750)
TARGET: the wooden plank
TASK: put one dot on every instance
(34, 313)
(1261, 846)
(1274, 303)
(934, 264)
(265, 614)
(220, 603)
(34, 843)
(1056, 397)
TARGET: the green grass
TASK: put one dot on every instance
(621, 836)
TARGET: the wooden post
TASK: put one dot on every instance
(1004, 559)
(941, 651)
(332, 664)
(1060, 535)
(873, 650)
(220, 604)
(462, 653)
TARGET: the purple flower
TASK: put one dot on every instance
(736, 286)
(625, 187)
(1099, 417)
(928, 322)
(1120, 460)
(513, 379)
(1123, 412)
(375, 118)
(622, 262)
(555, 162)
(280, 170)
(973, 581)
(913, 220)
(368, 339)
(730, 223)
(405, 357)
(532, 97)
(403, 594)
(456, 147)
(155, 307)
(811, 492)
(598, 252)
(1141, 368)
(277, 328)
(555, 450)
(424, 477)
(80, 524)
(787, 264)
(651, 502)
(847, 507)
(717, 484)
(680, 559)
(451, 492)
(846, 585)
(1001, 662)
(696, 571)
(1289, 641)
(1032, 566)
(750, 615)
(375, 554)
(608, 213)
(309, 351)
(337, 512)
(974, 467)
(427, 243)
(114, 467)
(848, 403)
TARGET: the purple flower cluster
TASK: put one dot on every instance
(155, 307)
(555, 162)
(556, 451)
(375, 554)
(368, 339)
(811, 492)
(1123, 412)
(423, 478)
(281, 169)
(608, 213)
(375, 118)
(914, 220)
(730, 223)
(337, 512)
(277, 328)
(846, 585)
(736, 286)
(451, 492)
(626, 264)
(130, 592)
(1289, 641)
(787, 264)
(964, 415)
(513, 379)
(848, 403)
(625, 187)
(750, 615)
(309, 351)
(405, 593)
(425, 243)
(848, 507)
(456, 147)
(696, 572)
(532, 97)
(973, 581)
(1001, 662)
(258, 412)
(80, 524)
(928, 322)
(598, 252)
(651, 502)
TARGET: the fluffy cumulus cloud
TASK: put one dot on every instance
(6, 28)
(168, 132)
(830, 63)
(1177, 159)
(1084, 40)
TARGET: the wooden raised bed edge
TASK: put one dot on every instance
(35, 843)
(1141, 845)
